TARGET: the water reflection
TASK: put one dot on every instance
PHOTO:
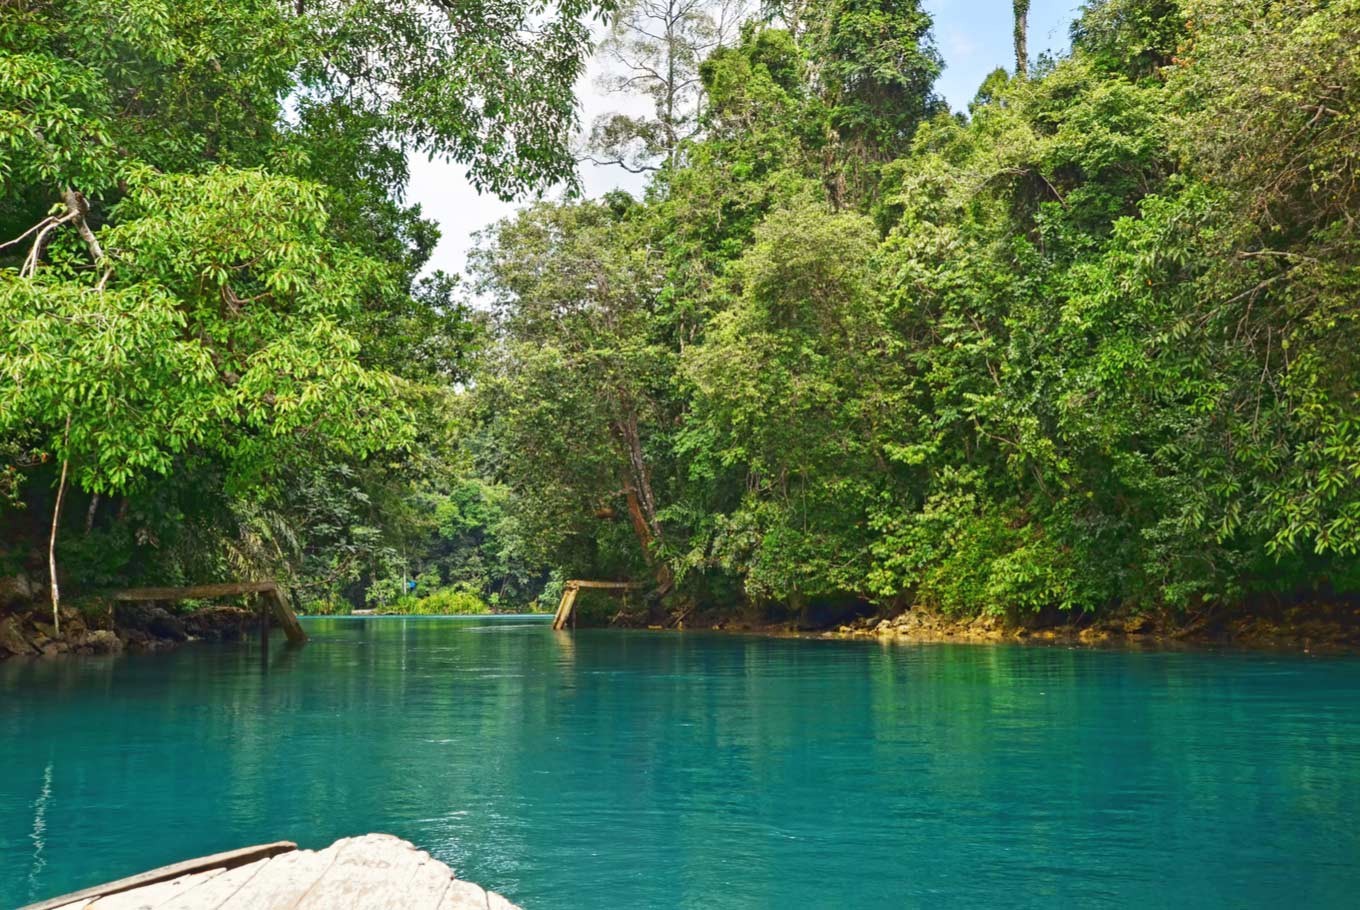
(657, 770)
(39, 833)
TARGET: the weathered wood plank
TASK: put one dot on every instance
(216, 893)
(152, 896)
(464, 896)
(431, 882)
(196, 592)
(227, 860)
(605, 585)
(285, 879)
(375, 871)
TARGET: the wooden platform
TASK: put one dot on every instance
(566, 609)
(271, 591)
(373, 872)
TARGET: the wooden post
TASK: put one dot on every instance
(263, 610)
(565, 608)
(286, 617)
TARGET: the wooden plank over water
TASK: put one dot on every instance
(196, 592)
(606, 585)
(383, 872)
(216, 891)
(373, 872)
(567, 606)
(272, 591)
(284, 880)
(157, 894)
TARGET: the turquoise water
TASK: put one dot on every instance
(652, 770)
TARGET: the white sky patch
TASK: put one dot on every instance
(957, 45)
(974, 36)
(443, 191)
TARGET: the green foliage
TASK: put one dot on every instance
(488, 83)
(1282, 145)
(445, 602)
(789, 386)
(216, 325)
(877, 65)
(576, 382)
(210, 284)
(1132, 38)
(1091, 346)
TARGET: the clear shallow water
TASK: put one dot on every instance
(633, 770)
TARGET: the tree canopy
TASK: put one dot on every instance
(210, 284)
(1088, 345)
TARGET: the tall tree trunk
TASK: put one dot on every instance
(91, 512)
(637, 489)
(672, 140)
(52, 539)
(1021, 9)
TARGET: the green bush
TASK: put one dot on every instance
(445, 602)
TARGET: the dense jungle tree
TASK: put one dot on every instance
(1089, 346)
(208, 276)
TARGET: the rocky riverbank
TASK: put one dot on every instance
(27, 630)
(1309, 628)
(1306, 627)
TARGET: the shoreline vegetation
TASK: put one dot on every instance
(1079, 353)
(1320, 629)
(1330, 629)
(94, 627)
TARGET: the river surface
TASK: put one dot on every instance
(602, 770)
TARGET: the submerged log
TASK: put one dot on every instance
(370, 872)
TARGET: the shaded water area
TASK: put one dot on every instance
(651, 770)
